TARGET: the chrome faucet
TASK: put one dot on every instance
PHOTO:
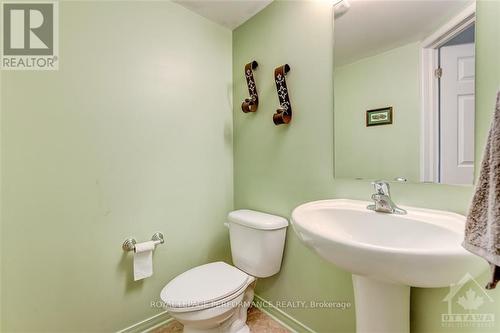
(382, 199)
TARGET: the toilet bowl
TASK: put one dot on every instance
(215, 297)
(210, 298)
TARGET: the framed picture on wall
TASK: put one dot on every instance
(376, 117)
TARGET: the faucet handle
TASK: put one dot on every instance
(381, 187)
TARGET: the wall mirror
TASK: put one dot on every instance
(404, 90)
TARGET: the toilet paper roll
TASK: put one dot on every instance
(143, 260)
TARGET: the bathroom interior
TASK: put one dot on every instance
(328, 166)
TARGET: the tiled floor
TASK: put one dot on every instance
(258, 322)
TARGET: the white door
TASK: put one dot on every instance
(457, 114)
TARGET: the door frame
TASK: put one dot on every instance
(429, 91)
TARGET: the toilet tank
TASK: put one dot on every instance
(257, 241)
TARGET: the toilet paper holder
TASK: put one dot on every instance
(129, 244)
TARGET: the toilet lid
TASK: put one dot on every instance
(203, 284)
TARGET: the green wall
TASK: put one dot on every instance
(487, 65)
(277, 168)
(131, 136)
(126, 139)
(390, 78)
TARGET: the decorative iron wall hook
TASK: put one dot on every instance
(283, 114)
(250, 104)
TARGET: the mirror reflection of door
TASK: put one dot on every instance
(456, 109)
(417, 58)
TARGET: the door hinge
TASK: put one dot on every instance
(438, 72)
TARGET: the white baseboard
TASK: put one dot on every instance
(290, 323)
(149, 324)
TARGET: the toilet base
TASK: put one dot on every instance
(233, 321)
(244, 329)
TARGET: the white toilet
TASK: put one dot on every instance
(215, 297)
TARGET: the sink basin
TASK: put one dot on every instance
(386, 253)
(419, 249)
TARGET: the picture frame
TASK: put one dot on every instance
(377, 117)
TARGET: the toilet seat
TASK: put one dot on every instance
(204, 287)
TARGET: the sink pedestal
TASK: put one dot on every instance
(381, 306)
(421, 249)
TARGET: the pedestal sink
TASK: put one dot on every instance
(386, 254)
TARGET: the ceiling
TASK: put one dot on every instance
(370, 27)
(367, 28)
(229, 13)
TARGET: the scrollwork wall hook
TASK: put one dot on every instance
(283, 114)
(250, 104)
